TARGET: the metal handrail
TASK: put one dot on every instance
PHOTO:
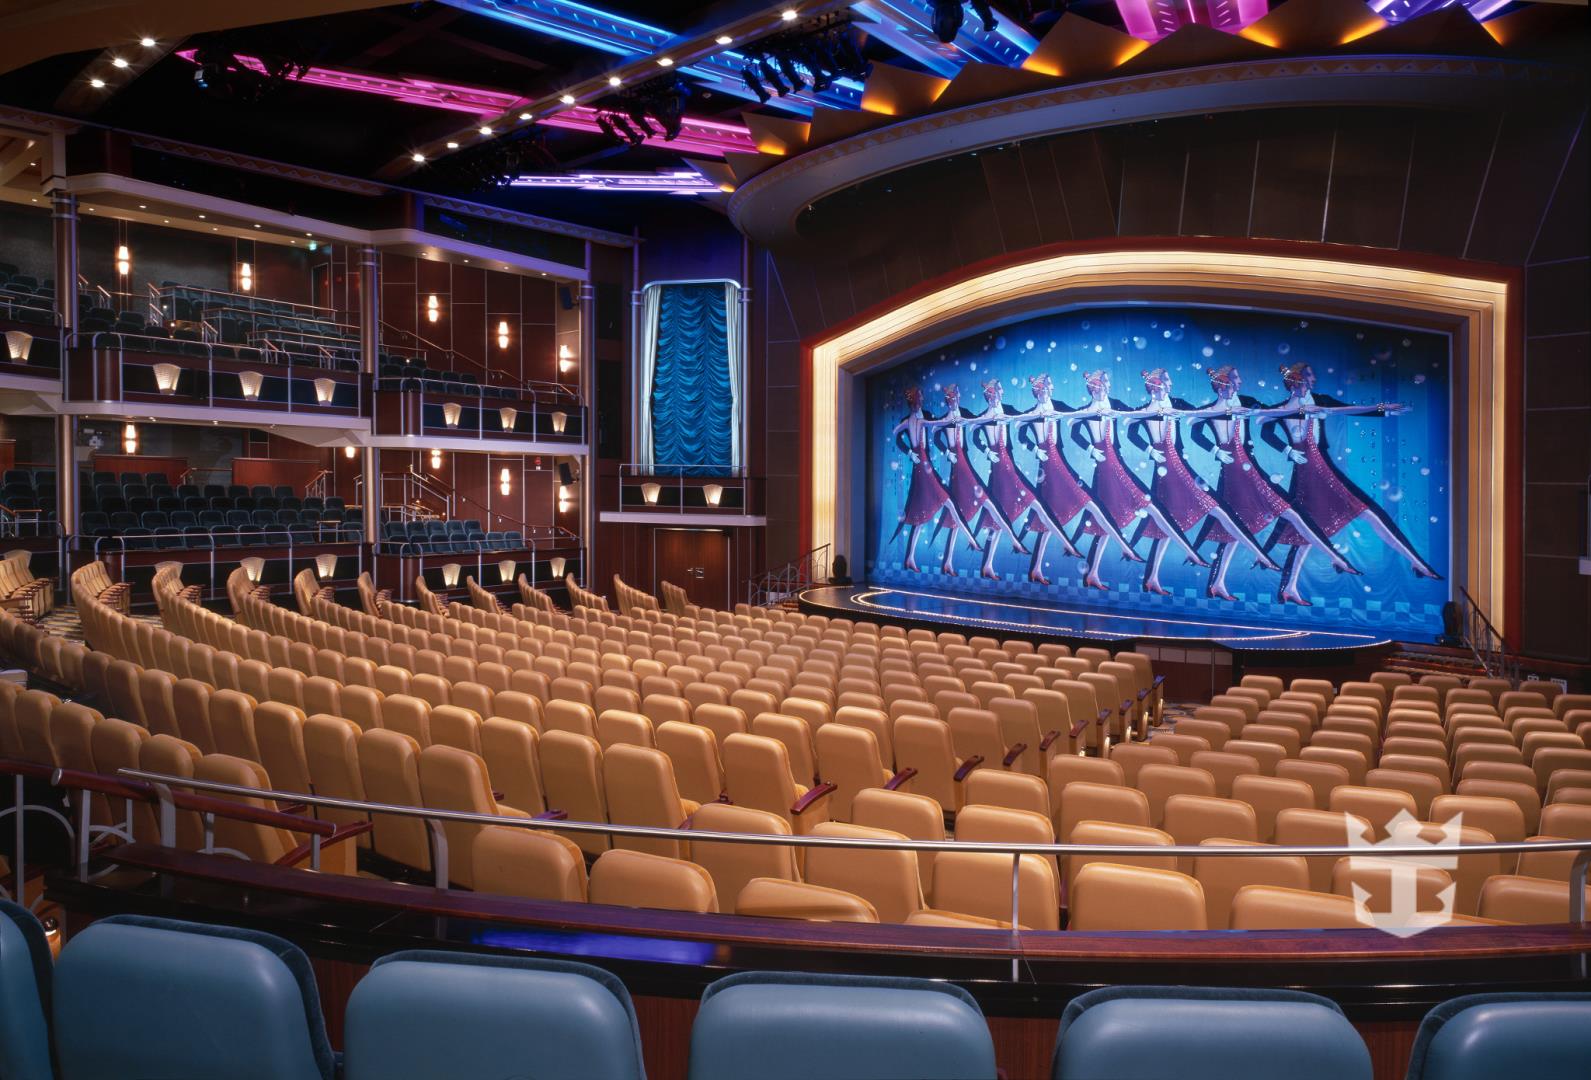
(1015, 849)
(774, 585)
(1486, 642)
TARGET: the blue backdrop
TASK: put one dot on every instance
(691, 399)
(1398, 465)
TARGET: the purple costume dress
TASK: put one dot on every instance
(1117, 493)
(1177, 491)
(1245, 492)
(926, 494)
(1319, 494)
(1007, 490)
(966, 490)
(1059, 489)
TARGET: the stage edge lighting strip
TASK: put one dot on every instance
(1480, 304)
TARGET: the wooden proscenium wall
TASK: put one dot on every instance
(1500, 187)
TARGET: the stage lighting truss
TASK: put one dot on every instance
(814, 55)
(222, 72)
(498, 162)
(653, 110)
(949, 15)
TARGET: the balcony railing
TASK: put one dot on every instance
(684, 489)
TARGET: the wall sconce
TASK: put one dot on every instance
(245, 277)
(251, 382)
(350, 452)
(563, 498)
(451, 411)
(505, 570)
(502, 333)
(559, 420)
(508, 416)
(433, 308)
(325, 565)
(19, 343)
(556, 565)
(130, 439)
(566, 360)
(650, 492)
(505, 482)
(253, 567)
(713, 492)
(166, 376)
(325, 390)
(124, 260)
(436, 459)
(450, 574)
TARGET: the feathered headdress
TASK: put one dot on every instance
(952, 392)
(1041, 382)
(1156, 378)
(1293, 375)
(1221, 377)
(993, 387)
(914, 396)
(1096, 380)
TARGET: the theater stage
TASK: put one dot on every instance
(1074, 625)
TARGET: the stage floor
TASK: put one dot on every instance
(1101, 625)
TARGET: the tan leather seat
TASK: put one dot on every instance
(619, 726)
(518, 706)
(996, 824)
(757, 775)
(1019, 791)
(777, 898)
(849, 758)
(641, 790)
(1111, 896)
(389, 768)
(1192, 819)
(115, 745)
(279, 729)
(1110, 832)
(875, 720)
(1320, 828)
(331, 751)
(796, 735)
(362, 705)
(733, 865)
(573, 716)
(927, 745)
(571, 772)
(886, 879)
(1184, 746)
(1214, 732)
(916, 816)
(1134, 756)
(1376, 805)
(1525, 900)
(1084, 801)
(636, 879)
(1222, 876)
(1269, 795)
(528, 863)
(1160, 782)
(1419, 786)
(190, 701)
(260, 842)
(454, 779)
(407, 715)
(155, 695)
(171, 756)
(694, 752)
(979, 883)
(1268, 907)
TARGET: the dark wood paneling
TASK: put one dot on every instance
(1152, 167)
(697, 560)
(1558, 372)
(1519, 184)
(1220, 187)
(1086, 169)
(1007, 181)
(1369, 172)
(1563, 231)
(1451, 154)
(1290, 180)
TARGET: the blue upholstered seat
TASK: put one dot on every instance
(1539, 1036)
(773, 1026)
(146, 997)
(24, 996)
(1196, 1033)
(428, 1015)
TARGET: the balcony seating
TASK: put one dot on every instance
(1542, 1036)
(405, 374)
(223, 517)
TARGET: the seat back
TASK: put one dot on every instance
(636, 879)
(733, 865)
(641, 790)
(886, 879)
(26, 981)
(455, 779)
(908, 813)
(694, 752)
(1135, 1031)
(778, 1026)
(528, 863)
(128, 987)
(1110, 896)
(979, 883)
(1505, 1034)
(1222, 876)
(389, 768)
(571, 771)
(503, 1015)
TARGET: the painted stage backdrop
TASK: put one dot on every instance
(1216, 464)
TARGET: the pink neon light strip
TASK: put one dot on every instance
(698, 135)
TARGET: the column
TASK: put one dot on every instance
(588, 396)
(66, 475)
(370, 465)
(369, 308)
(63, 209)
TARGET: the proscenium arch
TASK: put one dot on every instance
(1475, 303)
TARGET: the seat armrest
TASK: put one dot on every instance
(812, 796)
(1145, 692)
(1049, 737)
(551, 815)
(894, 783)
(1016, 751)
(967, 766)
(1078, 728)
(1158, 680)
(1126, 706)
(338, 835)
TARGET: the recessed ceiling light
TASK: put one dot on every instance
(147, 42)
(201, 217)
(524, 116)
(486, 129)
(98, 84)
(614, 80)
(725, 39)
(788, 14)
(452, 145)
(417, 157)
(665, 61)
(141, 206)
(309, 234)
(118, 61)
(256, 224)
(165, 221)
(568, 99)
(215, 228)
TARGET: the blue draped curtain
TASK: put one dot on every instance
(692, 401)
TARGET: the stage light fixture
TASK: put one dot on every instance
(770, 75)
(754, 84)
(118, 61)
(567, 99)
(789, 14)
(98, 84)
(166, 376)
(665, 61)
(788, 69)
(508, 415)
(417, 157)
(948, 17)
(486, 129)
(614, 80)
(982, 9)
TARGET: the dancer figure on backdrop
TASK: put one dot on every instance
(1060, 491)
(1243, 489)
(1115, 489)
(926, 497)
(1319, 488)
(1179, 494)
(1012, 500)
(967, 493)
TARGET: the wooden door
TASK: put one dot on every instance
(697, 560)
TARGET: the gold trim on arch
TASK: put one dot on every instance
(1477, 305)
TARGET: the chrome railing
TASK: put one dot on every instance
(1485, 642)
(772, 586)
(113, 550)
(115, 344)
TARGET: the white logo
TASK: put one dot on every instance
(1404, 917)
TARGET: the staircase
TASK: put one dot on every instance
(1416, 660)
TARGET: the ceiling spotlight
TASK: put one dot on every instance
(568, 99)
(948, 17)
(665, 61)
(524, 116)
(788, 14)
(754, 84)
(452, 145)
(614, 80)
(725, 39)
(98, 84)
(201, 217)
(147, 42)
(417, 157)
(118, 61)
(486, 129)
